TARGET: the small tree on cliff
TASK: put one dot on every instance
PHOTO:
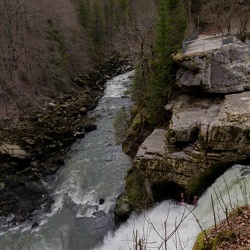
(170, 33)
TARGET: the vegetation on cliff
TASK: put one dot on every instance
(156, 75)
(154, 81)
(232, 233)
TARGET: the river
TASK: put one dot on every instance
(95, 169)
(179, 223)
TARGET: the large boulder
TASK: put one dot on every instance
(223, 70)
(13, 151)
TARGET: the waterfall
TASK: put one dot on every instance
(95, 169)
(178, 224)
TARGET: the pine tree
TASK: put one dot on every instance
(110, 17)
(98, 29)
(84, 14)
(170, 33)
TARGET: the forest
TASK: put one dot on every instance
(45, 45)
(50, 57)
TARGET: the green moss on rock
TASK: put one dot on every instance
(201, 243)
(135, 190)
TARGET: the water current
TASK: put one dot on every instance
(94, 170)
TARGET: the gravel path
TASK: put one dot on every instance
(204, 43)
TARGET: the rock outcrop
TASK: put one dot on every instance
(206, 133)
(222, 71)
(13, 151)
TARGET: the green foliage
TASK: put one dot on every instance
(201, 243)
(84, 14)
(135, 190)
(92, 17)
(104, 22)
(120, 123)
(139, 86)
(171, 27)
(110, 16)
(98, 27)
(125, 10)
(60, 57)
(170, 33)
(56, 35)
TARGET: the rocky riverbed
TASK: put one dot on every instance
(35, 148)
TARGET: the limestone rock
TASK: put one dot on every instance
(14, 151)
(153, 145)
(204, 135)
(224, 70)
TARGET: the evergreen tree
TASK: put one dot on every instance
(170, 33)
(125, 16)
(110, 17)
(98, 29)
(84, 14)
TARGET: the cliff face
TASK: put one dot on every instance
(206, 134)
(224, 70)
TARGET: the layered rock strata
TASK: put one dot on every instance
(224, 70)
(206, 133)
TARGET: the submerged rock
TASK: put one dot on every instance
(101, 201)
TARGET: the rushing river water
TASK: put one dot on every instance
(95, 169)
(179, 223)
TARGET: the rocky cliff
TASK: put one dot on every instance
(207, 133)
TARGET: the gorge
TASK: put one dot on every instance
(65, 182)
(207, 132)
(95, 170)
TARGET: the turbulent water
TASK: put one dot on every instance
(180, 225)
(95, 169)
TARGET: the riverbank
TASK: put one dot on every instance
(231, 233)
(35, 147)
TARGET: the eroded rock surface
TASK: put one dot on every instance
(208, 129)
(204, 137)
(224, 70)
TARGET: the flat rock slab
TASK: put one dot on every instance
(236, 109)
(190, 115)
(154, 144)
(13, 150)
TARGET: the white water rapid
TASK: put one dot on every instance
(178, 224)
(94, 169)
